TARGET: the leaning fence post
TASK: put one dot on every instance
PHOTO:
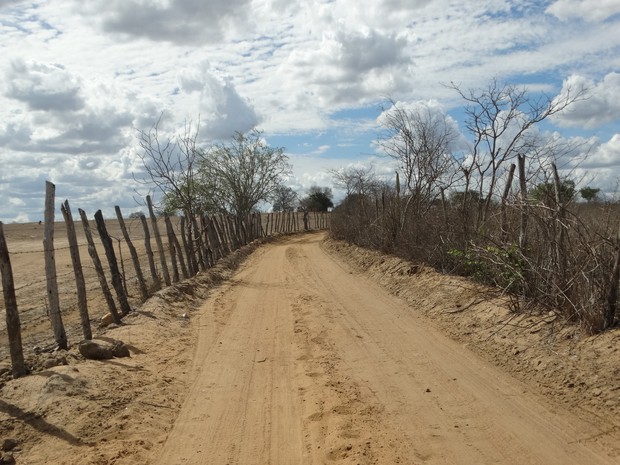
(209, 248)
(50, 268)
(77, 270)
(221, 232)
(99, 268)
(200, 245)
(149, 253)
(134, 254)
(160, 245)
(192, 265)
(174, 252)
(117, 282)
(13, 327)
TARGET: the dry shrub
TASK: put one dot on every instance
(567, 263)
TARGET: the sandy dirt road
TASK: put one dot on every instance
(299, 361)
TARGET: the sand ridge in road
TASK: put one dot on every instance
(300, 361)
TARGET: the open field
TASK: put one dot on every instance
(25, 243)
(318, 352)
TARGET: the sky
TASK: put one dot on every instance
(78, 80)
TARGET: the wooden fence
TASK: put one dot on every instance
(130, 259)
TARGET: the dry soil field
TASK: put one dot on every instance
(315, 352)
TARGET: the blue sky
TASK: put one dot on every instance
(80, 78)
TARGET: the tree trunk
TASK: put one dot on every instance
(50, 269)
(13, 326)
(77, 270)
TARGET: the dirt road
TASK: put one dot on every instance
(301, 362)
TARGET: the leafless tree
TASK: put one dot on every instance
(356, 180)
(170, 166)
(284, 199)
(420, 141)
(239, 174)
(501, 118)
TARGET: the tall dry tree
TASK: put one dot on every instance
(420, 140)
(237, 175)
(500, 119)
(170, 165)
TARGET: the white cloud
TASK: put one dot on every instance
(97, 70)
(603, 154)
(16, 202)
(590, 10)
(221, 109)
(348, 67)
(600, 106)
(43, 86)
(175, 21)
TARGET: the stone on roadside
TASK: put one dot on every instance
(9, 444)
(7, 459)
(94, 351)
(106, 320)
(119, 349)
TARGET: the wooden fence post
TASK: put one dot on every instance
(160, 245)
(50, 268)
(221, 232)
(144, 292)
(200, 245)
(13, 327)
(184, 267)
(216, 239)
(214, 248)
(524, 217)
(149, 253)
(175, 251)
(210, 251)
(99, 268)
(117, 282)
(259, 225)
(230, 230)
(77, 270)
(188, 248)
(243, 230)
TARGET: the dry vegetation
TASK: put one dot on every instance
(568, 265)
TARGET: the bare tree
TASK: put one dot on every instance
(356, 180)
(284, 199)
(239, 174)
(500, 119)
(170, 165)
(420, 140)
